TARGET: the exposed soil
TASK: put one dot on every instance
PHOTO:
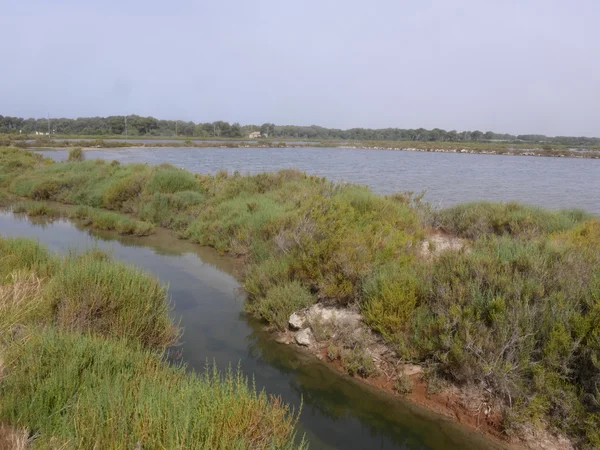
(318, 329)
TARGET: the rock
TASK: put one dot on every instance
(304, 337)
(296, 321)
(337, 317)
(284, 338)
(411, 369)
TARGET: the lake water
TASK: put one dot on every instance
(448, 178)
(338, 412)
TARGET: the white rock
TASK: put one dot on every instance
(304, 337)
(296, 321)
(411, 369)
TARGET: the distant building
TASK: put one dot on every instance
(254, 135)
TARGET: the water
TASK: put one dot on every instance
(338, 412)
(448, 178)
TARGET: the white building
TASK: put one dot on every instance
(254, 135)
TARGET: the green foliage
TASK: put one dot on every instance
(75, 154)
(357, 361)
(91, 293)
(404, 384)
(280, 302)
(167, 179)
(80, 391)
(473, 220)
(122, 191)
(24, 255)
(104, 220)
(390, 298)
(35, 209)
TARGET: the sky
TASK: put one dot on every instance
(515, 66)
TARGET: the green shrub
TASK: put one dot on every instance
(75, 154)
(46, 190)
(35, 209)
(17, 254)
(122, 190)
(390, 298)
(473, 220)
(92, 293)
(168, 180)
(263, 276)
(280, 302)
(357, 361)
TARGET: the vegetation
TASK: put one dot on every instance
(149, 126)
(517, 310)
(35, 209)
(82, 342)
(103, 220)
(75, 154)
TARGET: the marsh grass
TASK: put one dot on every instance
(104, 220)
(91, 293)
(35, 209)
(474, 220)
(87, 392)
(82, 341)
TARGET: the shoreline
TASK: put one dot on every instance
(509, 151)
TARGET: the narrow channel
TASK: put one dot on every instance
(337, 411)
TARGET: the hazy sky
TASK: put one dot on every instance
(518, 66)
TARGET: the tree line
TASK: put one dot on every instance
(135, 125)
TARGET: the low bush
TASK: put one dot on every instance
(391, 295)
(473, 220)
(24, 255)
(404, 384)
(75, 154)
(103, 220)
(122, 191)
(280, 302)
(167, 179)
(35, 209)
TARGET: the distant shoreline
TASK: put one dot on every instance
(484, 149)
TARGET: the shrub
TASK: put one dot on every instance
(473, 220)
(18, 254)
(357, 361)
(390, 298)
(75, 154)
(168, 180)
(280, 302)
(93, 293)
(404, 384)
(46, 190)
(122, 190)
